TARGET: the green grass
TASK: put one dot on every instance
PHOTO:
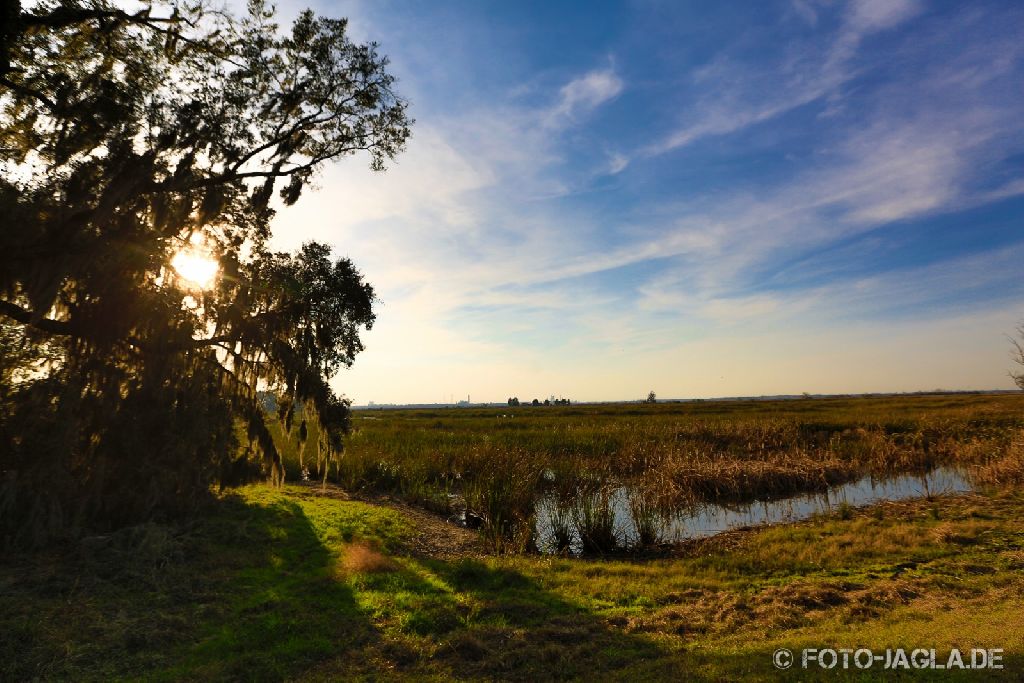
(274, 585)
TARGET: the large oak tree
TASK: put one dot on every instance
(129, 135)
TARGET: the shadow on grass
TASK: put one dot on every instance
(521, 631)
(283, 608)
(247, 593)
(468, 620)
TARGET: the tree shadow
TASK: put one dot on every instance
(469, 620)
(246, 593)
(283, 606)
(522, 631)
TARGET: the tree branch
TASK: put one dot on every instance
(28, 92)
(65, 328)
(49, 325)
(63, 17)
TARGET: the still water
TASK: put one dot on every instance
(710, 519)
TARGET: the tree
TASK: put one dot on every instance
(129, 139)
(652, 397)
(1018, 357)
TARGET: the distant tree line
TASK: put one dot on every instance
(514, 402)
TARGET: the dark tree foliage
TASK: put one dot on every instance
(127, 136)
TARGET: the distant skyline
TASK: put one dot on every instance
(703, 199)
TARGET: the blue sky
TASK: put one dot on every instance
(703, 199)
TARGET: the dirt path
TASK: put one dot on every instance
(434, 537)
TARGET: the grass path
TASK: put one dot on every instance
(294, 584)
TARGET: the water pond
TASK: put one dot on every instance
(710, 519)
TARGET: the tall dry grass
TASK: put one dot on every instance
(570, 459)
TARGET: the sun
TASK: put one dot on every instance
(195, 266)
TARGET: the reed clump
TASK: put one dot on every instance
(647, 515)
(559, 486)
(651, 496)
(594, 517)
(501, 491)
(1001, 469)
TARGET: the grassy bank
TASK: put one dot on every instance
(297, 583)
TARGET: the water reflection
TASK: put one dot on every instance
(709, 519)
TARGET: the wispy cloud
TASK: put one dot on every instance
(585, 93)
(617, 163)
(867, 16)
(743, 94)
(878, 177)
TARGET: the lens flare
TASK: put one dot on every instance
(196, 267)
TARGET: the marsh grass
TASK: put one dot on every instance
(502, 492)
(995, 468)
(669, 456)
(647, 515)
(558, 511)
(594, 517)
(559, 484)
